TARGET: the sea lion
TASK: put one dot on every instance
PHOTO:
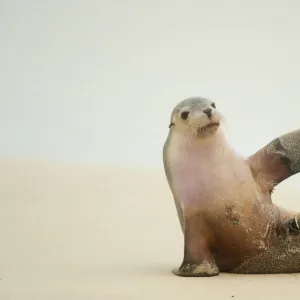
(223, 199)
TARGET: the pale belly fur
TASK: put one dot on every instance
(218, 183)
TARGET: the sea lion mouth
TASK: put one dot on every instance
(209, 128)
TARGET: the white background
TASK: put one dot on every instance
(95, 81)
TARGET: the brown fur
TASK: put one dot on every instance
(284, 257)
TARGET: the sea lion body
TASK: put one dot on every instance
(223, 203)
(224, 195)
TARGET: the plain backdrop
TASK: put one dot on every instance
(95, 81)
(86, 92)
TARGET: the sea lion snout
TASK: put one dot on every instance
(203, 114)
(208, 112)
(197, 117)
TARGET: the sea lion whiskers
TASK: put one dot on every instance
(221, 117)
(193, 131)
(190, 134)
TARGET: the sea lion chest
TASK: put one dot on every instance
(205, 177)
(217, 184)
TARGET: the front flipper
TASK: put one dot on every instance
(198, 260)
(204, 269)
(277, 161)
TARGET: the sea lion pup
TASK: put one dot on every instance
(223, 199)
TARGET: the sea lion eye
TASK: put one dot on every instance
(213, 105)
(184, 115)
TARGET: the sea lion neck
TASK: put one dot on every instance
(186, 142)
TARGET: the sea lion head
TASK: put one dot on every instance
(198, 116)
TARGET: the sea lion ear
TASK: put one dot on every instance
(277, 161)
(171, 124)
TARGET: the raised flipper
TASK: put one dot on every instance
(277, 161)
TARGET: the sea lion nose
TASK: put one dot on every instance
(208, 111)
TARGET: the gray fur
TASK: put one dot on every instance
(287, 147)
(291, 143)
(194, 103)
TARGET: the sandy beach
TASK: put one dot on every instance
(93, 232)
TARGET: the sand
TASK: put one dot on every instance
(97, 232)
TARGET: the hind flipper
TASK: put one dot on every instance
(292, 225)
(288, 221)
